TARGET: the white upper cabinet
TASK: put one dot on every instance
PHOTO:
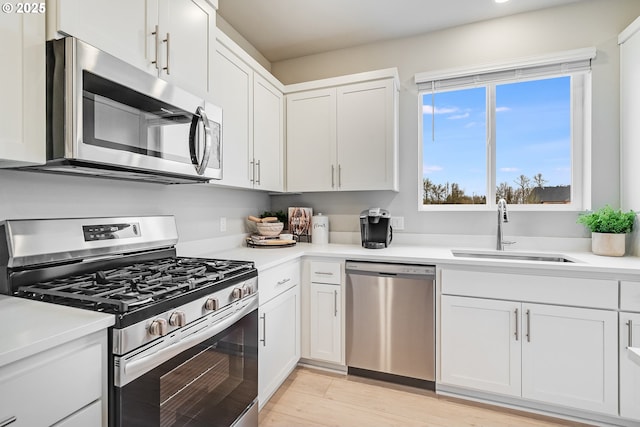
(116, 27)
(366, 136)
(253, 117)
(233, 92)
(174, 40)
(342, 133)
(268, 135)
(22, 84)
(311, 135)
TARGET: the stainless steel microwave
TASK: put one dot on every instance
(108, 118)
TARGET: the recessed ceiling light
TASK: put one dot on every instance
(501, 1)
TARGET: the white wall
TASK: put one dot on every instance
(587, 23)
(197, 207)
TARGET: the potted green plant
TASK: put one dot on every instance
(609, 229)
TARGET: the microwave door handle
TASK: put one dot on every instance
(200, 166)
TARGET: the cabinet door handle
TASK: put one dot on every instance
(333, 176)
(252, 171)
(516, 333)
(8, 421)
(335, 303)
(167, 41)
(157, 47)
(630, 324)
(259, 172)
(264, 330)
(339, 176)
(283, 281)
(528, 326)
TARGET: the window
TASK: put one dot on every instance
(514, 132)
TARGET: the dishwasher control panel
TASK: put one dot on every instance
(390, 268)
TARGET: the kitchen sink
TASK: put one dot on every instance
(519, 256)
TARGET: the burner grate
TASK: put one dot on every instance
(121, 289)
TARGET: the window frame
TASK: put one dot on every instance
(580, 124)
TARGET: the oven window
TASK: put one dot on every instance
(211, 384)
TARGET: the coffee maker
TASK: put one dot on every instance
(375, 228)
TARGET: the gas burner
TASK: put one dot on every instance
(130, 287)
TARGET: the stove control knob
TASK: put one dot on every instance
(237, 293)
(211, 304)
(248, 290)
(178, 318)
(158, 327)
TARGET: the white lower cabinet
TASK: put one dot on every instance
(629, 365)
(67, 382)
(569, 357)
(325, 322)
(278, 328)
(553, 354)
(507, 334)
(479, 348)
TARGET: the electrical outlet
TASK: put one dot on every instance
(397, 222)
(223, 224)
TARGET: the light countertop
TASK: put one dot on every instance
(30, 327)
(624, 268)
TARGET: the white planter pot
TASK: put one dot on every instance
(608, 244)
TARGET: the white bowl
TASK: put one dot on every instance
(269, 228)
(286, 236)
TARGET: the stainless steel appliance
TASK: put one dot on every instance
(390, 323)
(108, 118)
(184, 348)
(375, 228)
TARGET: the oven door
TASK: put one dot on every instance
(207, 378)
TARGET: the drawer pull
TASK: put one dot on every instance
(324, 273)
(8, 421)
(283, 281)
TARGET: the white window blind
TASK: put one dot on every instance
(561, 63)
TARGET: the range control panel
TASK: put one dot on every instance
(110, 231)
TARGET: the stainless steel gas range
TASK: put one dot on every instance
(183, 351)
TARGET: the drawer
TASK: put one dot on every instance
(278, 279)
(630, 296)
(572, 291)
(89, 416)
(325, 272)
(57, 384)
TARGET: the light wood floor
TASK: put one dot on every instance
(311, 397)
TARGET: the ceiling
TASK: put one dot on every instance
(284, 29)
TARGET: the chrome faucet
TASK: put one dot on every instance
(503, 216)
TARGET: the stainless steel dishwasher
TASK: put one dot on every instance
(390, 323)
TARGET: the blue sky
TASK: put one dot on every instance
(532, 134)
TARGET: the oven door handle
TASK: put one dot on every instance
(128, 370)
